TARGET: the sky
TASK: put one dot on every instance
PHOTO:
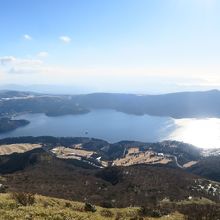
(138, 46)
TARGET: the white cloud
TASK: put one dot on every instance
(43, 54)
(65, 39)
(23, 70)
(15, 65)
(161, 79)
(7, 59)
(18, 61)
(27, 37)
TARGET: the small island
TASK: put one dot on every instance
(8, 124)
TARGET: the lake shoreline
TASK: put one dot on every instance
(114, 126)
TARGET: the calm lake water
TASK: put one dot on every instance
(116, 126)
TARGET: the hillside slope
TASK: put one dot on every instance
(110, 187)
(113, 175)
(59, 209)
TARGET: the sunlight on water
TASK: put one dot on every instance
(115, 126)
(203, 133)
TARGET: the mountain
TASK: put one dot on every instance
(12, 103)
(176, 105)
(6, 124)
(110, 175)
(208, 167)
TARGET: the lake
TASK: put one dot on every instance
(115, 126)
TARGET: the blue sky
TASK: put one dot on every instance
(148, 46)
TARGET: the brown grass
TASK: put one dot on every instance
(17, 148)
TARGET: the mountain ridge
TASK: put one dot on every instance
(176, 105)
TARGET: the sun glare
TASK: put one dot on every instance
(204, 133)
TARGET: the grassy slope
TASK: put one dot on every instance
(59, 209)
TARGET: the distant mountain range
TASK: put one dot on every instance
(176, 105)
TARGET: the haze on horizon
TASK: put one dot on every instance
(110, 46)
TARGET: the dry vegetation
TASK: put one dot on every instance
(190, 164)
(59, 209)
(135, 156)
(66, 152)
(17, 148)
(28, 206)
